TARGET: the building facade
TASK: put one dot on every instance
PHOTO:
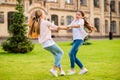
(62, 12)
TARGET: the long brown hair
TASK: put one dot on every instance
(34, 23)
(86, 24)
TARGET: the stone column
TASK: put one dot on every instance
(117, 21)
(102, 20)
(62, 3)
(91, 12)
(117, 7)
(26, 6)
(91, 15)
(5, 32)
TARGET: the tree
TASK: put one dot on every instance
(18, 42)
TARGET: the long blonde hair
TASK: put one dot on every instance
(34, 23)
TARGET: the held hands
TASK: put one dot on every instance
(67, 27)
(63, 27)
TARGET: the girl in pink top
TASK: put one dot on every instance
(44, 32)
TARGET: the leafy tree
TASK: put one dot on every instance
(18, 42)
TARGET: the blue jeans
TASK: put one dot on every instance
(73, 52)
(57, 52)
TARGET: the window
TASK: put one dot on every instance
(112, 6)
(97, 23)
(1, 17)
(105, 5)
(52, 0)
(113, 26)
(97, 3)
(54, 19)
(10, 19)
(62, 20)
(30, 2)
(69, 19)
(83, 2)
(106, 26)
(69, 1)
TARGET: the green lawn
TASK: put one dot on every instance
(102, 59)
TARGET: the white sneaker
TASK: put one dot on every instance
(54, 72)
(71, 72)
(83, 71)
(62, 73)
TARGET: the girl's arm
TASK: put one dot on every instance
(62, 28)
(68, 27)
(74, 26)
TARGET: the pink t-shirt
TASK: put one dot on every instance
(45, 31)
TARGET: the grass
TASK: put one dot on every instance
(102, 59)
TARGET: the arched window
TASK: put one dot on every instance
(54, 19)
(97, 24)
(83, 2)
(113, 26)
(10, 19)
(97, 3)
(106, 26)
(69, 19)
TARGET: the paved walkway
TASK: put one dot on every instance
(60, 39)
(36, 40)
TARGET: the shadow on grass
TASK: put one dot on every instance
(9, 53)
(85, 43)
(5, 53)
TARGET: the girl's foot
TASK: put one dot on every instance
(83, 71)
(54, 72)
(71, 72)
(62, 73)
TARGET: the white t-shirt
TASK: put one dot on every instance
(45, 33)
(78, 33)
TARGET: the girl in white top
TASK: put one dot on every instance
(78, 37)
(44, 32)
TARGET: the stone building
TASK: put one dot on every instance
(62, 12)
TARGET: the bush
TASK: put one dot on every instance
(86, 41)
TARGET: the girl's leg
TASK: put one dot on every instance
(60, 53)
(73, 52)
(77, 61)
(57, 52)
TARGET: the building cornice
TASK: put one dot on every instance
(8, 4)
(70, 10)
